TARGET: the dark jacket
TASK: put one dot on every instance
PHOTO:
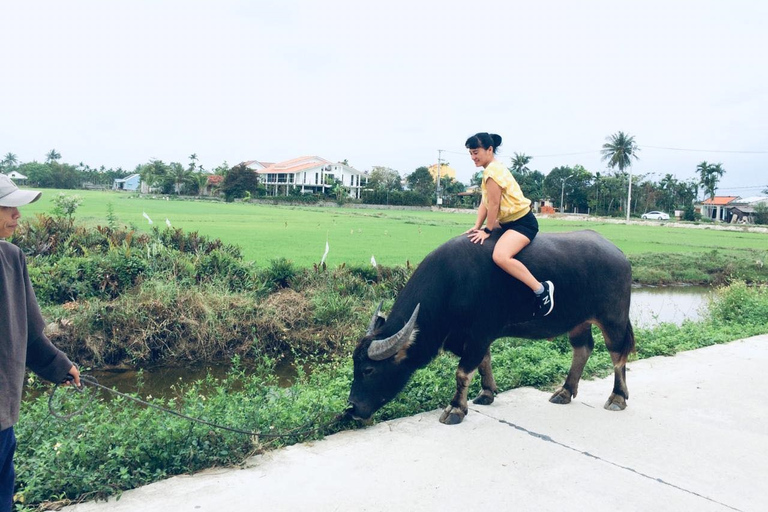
(22, 342)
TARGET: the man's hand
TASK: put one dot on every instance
(75, 373)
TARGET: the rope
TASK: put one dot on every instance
(84, 379)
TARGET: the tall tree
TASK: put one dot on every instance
(238, 181)
(180, 176)
(10, 161)
(384, 178)
(619, 149)
(52, 156)
(709, 176)
(421, 181)
(520, 163)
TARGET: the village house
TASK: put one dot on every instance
(308, 174)
(742, 211)
(131, 182)
(716, 208)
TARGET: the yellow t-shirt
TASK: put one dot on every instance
(514, 204)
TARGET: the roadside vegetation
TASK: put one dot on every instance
(115, 295)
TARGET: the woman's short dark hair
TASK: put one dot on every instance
(484, 140)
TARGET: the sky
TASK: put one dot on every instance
(118, 83)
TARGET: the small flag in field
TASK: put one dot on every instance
(167, 222)
(147, 217)
(325, 253)
(373, 260)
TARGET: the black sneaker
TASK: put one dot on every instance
(545, 302)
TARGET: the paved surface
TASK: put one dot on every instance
(694, 437)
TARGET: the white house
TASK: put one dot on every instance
(17, 176)
(131, 182)
(309, 174)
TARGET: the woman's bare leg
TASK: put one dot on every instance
(511, 243)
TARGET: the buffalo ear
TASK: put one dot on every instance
(376, 321)
(403, 352)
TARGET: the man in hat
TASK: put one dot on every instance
(22, 342)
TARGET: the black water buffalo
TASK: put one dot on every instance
(460, 301)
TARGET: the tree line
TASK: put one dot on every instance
(614, 192)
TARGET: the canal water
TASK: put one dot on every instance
(650, 307)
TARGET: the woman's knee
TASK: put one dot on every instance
(500, 257)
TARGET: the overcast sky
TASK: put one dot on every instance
(117, 83)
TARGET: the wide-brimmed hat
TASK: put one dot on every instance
(10, 195)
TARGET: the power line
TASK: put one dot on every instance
(706, 150)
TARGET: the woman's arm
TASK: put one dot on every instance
(481, 214)
(493, 191)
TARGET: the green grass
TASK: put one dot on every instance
(299, 233)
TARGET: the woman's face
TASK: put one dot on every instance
(481, 157)
(9, 219)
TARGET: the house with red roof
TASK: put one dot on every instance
(716, 208)
(309, 175)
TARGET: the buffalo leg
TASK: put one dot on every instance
(618, 399)
(582, 344)
(457, 410)
(619, 341)
(488, 383)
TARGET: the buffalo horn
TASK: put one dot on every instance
(382, 349)
(373, 320)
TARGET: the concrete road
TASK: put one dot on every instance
(694, 437)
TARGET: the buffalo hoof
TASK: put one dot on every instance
(484, 398)
(561, 396)
(615, 403)
(452, 416)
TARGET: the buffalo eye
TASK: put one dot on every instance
(368, 371)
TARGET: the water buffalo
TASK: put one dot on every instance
(459, 300)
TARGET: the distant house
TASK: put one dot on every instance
(715, 208)
(309, 174)
(213, 184)
(445, 171)
(132, 182)
(742, 211)
(16, 176)
(256, 165)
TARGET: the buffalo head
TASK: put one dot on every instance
(380, 366)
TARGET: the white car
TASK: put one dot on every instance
(655, 216)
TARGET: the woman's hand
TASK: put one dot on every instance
(477, 236)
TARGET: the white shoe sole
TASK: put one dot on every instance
(551, 298)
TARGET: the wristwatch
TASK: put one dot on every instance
(487, 230)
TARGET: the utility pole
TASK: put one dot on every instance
(562, 191)
(438, 199)
(629, 193)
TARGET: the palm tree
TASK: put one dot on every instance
(180, 176)
(52, 156)
(709, 175)
(192, 161)
(520, 163)
(619, 150)
(10, 160)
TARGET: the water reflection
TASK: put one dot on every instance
(652, 306)
(165, 382)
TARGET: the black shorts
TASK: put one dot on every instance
(527, 225)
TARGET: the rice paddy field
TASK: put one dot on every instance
(393, 237)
